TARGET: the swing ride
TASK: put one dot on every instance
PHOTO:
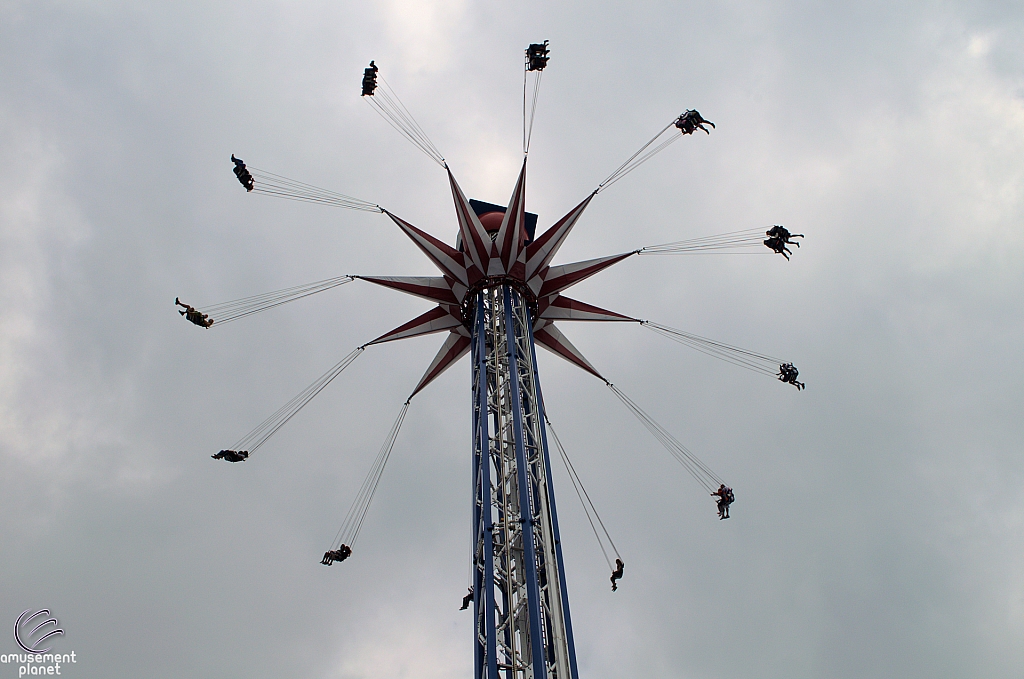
(500, 295)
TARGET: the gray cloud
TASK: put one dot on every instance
(878, 514)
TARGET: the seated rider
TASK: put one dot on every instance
(779, 237)
(369, 80)
(339, 554)
(788, 374)
(242, 173)
(232, 455)
(192, 314)
(782, 233)
(197, 318)
(467, 600)
(776, 244)
(725, 498)
(617, 573)
(690, 121)
(537, 56)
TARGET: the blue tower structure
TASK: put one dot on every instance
(521, 605)
(507, 297)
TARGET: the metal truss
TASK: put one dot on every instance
(523, 629)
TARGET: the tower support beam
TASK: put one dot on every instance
(522, 626)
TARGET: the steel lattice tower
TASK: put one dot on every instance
(520, 601)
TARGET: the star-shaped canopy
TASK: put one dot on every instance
(485, 259)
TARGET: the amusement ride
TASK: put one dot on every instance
(497, 297)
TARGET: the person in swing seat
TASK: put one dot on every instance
(725, 498)
(788, 374)
(339, 554)
(617, 573)
(779, 237)
(242, 173)
(782, 233)
(467, 600)
(192, 314)
(691, 121)
(776, 244)
(369, 80)
(232, 455)
(537, 56)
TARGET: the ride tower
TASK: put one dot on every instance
(497, 297)
(521, 606)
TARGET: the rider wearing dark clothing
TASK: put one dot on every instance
(691, 121)
(339, 554)
(788, 374)
(197, 318)
(192, 314)
(775, 244)
(782, 232)
(725, 498)
(242, 173)
(617, 573)
(537, 56)
(232, 455)
(467, 600)
(779, 237)
(369, 80)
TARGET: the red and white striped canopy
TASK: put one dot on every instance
(486, 259)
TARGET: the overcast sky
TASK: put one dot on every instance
(878, 525)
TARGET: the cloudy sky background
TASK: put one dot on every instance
(879, 514)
